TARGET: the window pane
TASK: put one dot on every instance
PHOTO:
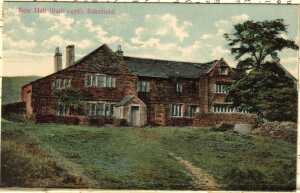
(114, 82)
(100, 109)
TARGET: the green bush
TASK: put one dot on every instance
(16, 117)
(282, 179)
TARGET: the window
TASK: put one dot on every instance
(223, 70)
(61, 83)
(62, 109)
(143, 86)
(192, 110)
(176, 110)
(223, 108)
(100, 80)
(99, 109)
(178, 87)
(221, 88)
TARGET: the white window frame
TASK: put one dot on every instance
(176, 110)
(197, 110)
(93, 109)
(100, 80)
(143, 86)
(179, 87)
(60, 83)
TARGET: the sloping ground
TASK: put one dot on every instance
(11, 87)
(237, 162)
(25, 164)
(114, 158)
(138, 158)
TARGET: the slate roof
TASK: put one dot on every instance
(125, 100)
(165, 68)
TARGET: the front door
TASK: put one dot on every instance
(135, 116)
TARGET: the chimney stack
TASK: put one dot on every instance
(57, 60)
(70, 55)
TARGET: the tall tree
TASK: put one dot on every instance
(261, 85)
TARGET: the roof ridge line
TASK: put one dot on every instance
(189, 62)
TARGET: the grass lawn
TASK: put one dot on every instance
(138, 158)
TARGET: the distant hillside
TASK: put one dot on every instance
(11, 87)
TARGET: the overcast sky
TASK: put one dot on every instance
(168, 31)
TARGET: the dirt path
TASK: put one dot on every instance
(201, 179)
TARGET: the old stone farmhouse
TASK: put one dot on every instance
(140, 91)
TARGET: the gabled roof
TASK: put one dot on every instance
(125, 100)
(165, 68)
(146, 67)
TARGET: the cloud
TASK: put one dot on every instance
(59, 23)
(13, 21)
(222, 23)
(219, 52)
(163, 26)
(18, 44)
(206, 36)
(239, 18)
(171, 25)
(101, 34)
(57, 40)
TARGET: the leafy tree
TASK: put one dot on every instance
(261, 85)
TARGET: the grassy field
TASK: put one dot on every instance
(139, 158)
(11, 87)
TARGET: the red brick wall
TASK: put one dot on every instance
(211, 119)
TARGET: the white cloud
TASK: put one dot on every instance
(13, 20)
(57, 40)
(18, 44)
(167, 25)
(101, 34)
(219, 52)
(221, 23)
(59, 23)
(240, 18)
(224, 25)
(172, 26)
(206, 36)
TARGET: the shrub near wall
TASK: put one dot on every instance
(182, 121)
(212, 119)
(56, 119)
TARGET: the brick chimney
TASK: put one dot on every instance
(70, 55)
(57, 60)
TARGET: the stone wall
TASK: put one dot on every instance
(212, 119)
(42, 101)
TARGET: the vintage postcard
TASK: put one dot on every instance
(133, 96)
